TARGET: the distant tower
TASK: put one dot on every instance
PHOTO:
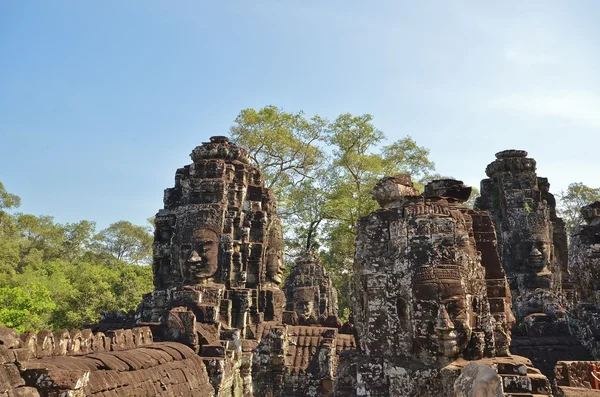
(308, 288)
(532, 239)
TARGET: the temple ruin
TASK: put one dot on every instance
(532, 243)
(443, 298)
(584, 260)
(422, 309)
(309, 291)
(532, 239)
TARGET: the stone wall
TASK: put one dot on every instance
(82, 363)
(298, 360)
(577, 378)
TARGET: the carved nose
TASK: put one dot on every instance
(194, 257)
(443, 321)
(535, 252)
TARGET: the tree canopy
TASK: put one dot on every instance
(322, 172)
(126, 242)
(63, 275)
(576, 196)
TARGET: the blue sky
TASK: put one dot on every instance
(101, 101)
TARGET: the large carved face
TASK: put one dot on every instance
(274, 265)
(200, 260)
(436, 293)
(536, 253)
(454, 299)
(304, 301)
(304, 307)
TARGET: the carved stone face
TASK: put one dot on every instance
(449, 344)
(304, 301)
(304, 307)
(275, 265)
(274, 259)
(446, 334)
(449, 334)
(536, 254)
(200, 260)
(458, 311)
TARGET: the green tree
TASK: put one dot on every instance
(25, 307)
(282, 144)
(40, 239)
(78, 239)
(9, 245)
(308, 211)
(570, 202)
(126, 241)
(8, 200)
(59, 276)
(322, 197)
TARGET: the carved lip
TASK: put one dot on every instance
(536, 259)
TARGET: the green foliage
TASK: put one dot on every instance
(78, 239)
(281, 143)
(62, 276)
(345, 314)
(576, 196)
(126, 242)
(8, 200)
(25, 307)
(322, 173)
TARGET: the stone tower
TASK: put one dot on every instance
(584, 261)
(218, 250)
(421, 293)
(309, 290)
(584, 255)
(219, 224)
(532, 239)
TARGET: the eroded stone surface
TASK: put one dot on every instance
(584, 261)
(421, 293)
(309, 290)
(584, 255)
(531, 237)
(478, 380)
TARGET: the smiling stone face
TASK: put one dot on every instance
(219, 237)
(200, 260)
(531, 237)
(445, 311)
(536, 253)
(424, 293)
(274, 254)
